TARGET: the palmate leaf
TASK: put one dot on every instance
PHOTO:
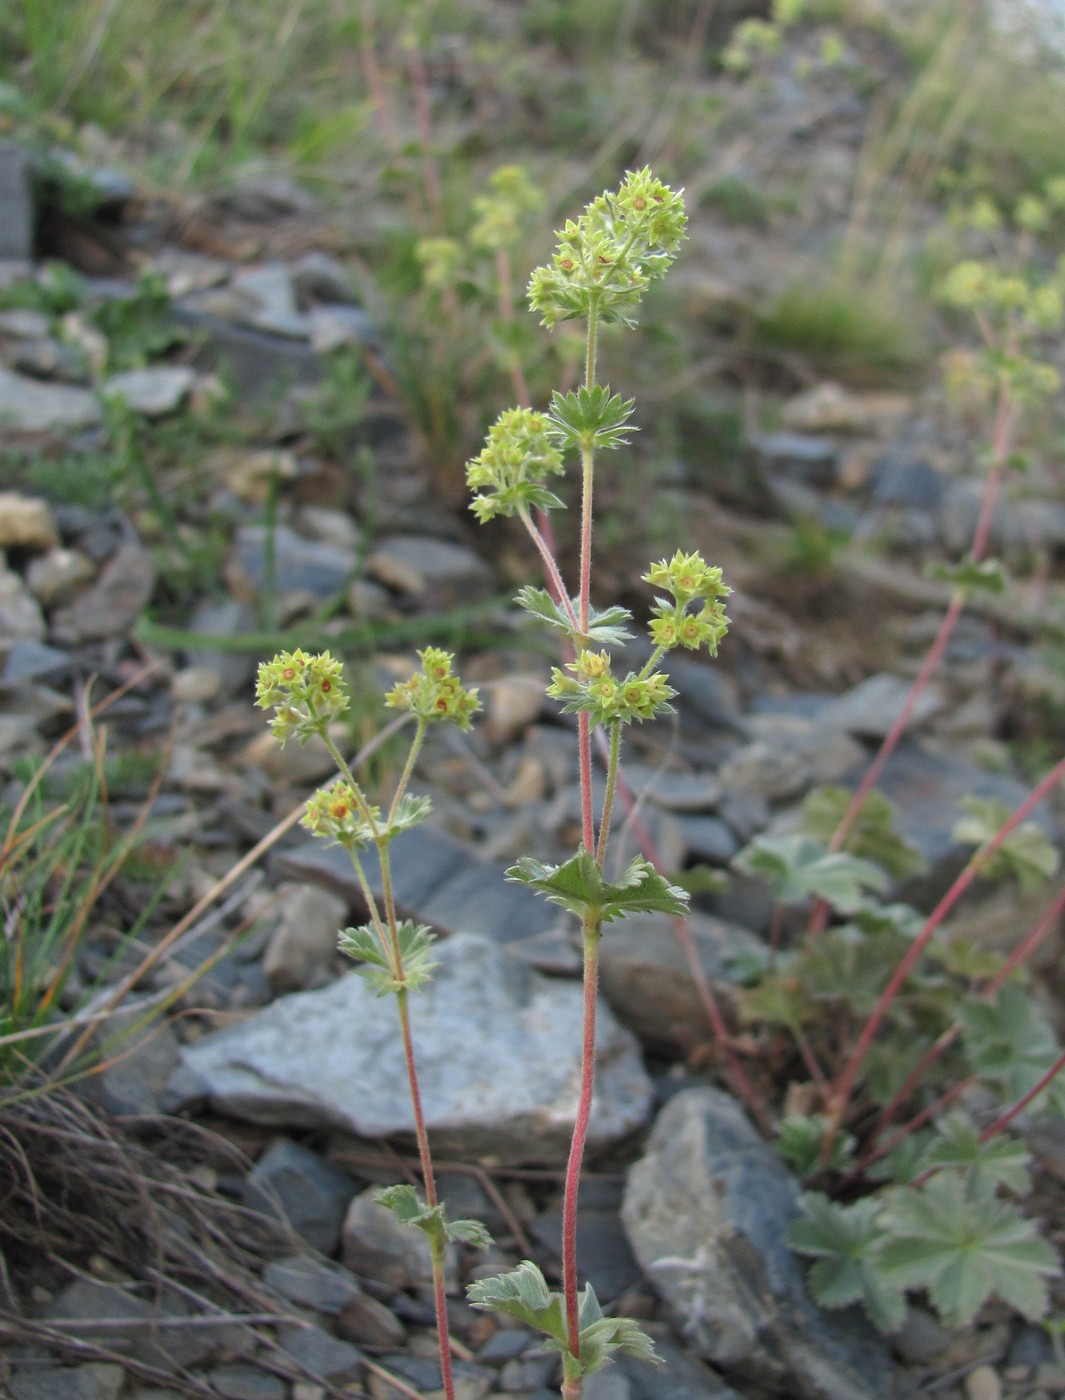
(1010, 1043)
(998, 1162)
(846, 1242)
(872, 836)
(375, 966)
(964, 1246)
(409, 1209)
(985, 574)
(605, 626)
(524, 1295)
(796, 867)
(579, 885)
(1027, 854)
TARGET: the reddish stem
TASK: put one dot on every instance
(1006, 1118)
(849, 1073)
(1006, 414)
(580, 1135)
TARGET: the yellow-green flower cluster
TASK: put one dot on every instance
(607, 258)
(978, 286)
(591, 686)
(499, 214)
(336, 814)
(308, 693)
(433, 694)
(508, 475)
(696, 617)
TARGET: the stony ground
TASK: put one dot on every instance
(274, 1088)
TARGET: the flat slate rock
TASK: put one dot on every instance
(436, 880)
(498, 1048)
(707, 1210)
(32, 406)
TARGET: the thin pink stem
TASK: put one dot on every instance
(555, 585)
(1046, 923)
(1006, 414)
(722, 1037)
(849, 1073)
(429, 1179)
(577, 1143)
(1022, 1103)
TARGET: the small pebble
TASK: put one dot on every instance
(983, 1384)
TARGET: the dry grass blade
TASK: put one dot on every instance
(74, 1189)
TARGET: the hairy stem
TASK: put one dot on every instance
(592, 933)
(849, 1073)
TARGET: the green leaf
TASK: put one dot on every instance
(796, 868)
(469, 1232)
(987, 574)
(778, 1000)
(604, 625)
(872, 836)
(997, 1162)
(410, 810)
(964, 1246)
(579, 886)
(524, 1295)
(410, 1209)
(1010, 1043)
(1027, 854)
(613, 1335)
(846, 1242)
(378, 968)
(799, 1140)
(591, 417)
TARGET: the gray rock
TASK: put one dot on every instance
(814, 461)
(310, 1193)
(677, 792)
(32, 406)
(154, 391)
(604, 1257)
(873, 706)
(262, 195)
(303, 943)
(253, 361)
(645, 977)
(21, 618)
(376, 1245)
(227, 618)
(901, 480)
(22, 324)
(679, 1377)
(241, 1381)
(766, 771)
(266, 299)
(26, 522)
(331, 1290)
(430, 570)
(333, 327)
(321, 277)
(56, 577)
(300, 565)
(141, 1067)
(707, 1211)
(96, 1380)
(498, 1048)
(16, 203)
(322, 1354)
(709, 839)
(436, 880)
(29, 660)
(168, 1344)
(114, 602)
